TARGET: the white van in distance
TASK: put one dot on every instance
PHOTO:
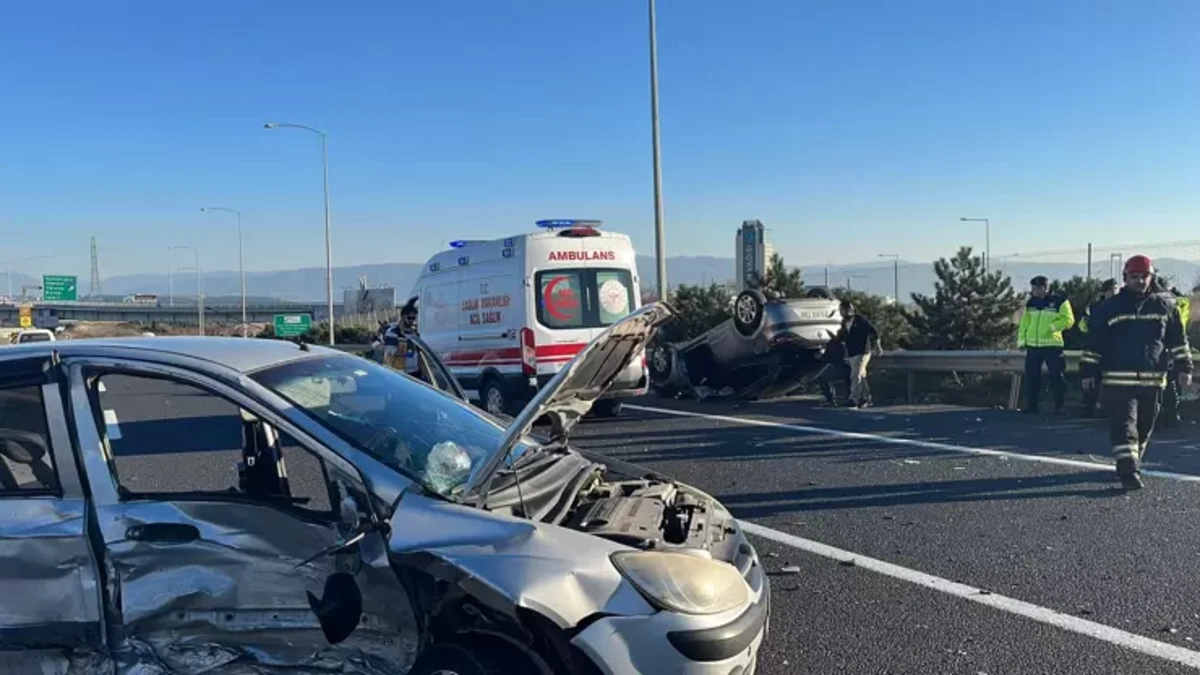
(506, 315)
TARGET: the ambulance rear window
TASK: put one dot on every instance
(583, 298)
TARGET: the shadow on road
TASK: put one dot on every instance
(755, 505)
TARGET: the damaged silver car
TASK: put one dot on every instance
(375, 523)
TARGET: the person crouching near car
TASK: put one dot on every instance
(861, 339)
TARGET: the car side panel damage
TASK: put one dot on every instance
(219, 587)
(50, 608)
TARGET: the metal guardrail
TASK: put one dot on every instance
(929, 361)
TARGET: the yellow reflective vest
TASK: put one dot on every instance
(1044, 321)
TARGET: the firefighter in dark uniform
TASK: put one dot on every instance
(1173, 392)
(1132, 337)
(1091, 397)
(1040, 334)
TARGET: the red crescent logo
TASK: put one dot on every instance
(553, 305)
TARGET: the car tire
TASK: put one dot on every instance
(661, 364)
(456, 659)
(492, 397)
(606, 408)
(748, 310)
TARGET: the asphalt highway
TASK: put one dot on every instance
(899, 540)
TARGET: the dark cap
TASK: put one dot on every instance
(1039, 280)
(1108, 285)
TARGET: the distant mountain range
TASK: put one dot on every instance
(308, 284)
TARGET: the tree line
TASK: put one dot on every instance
(971, 308)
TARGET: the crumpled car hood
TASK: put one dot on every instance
(562, 574)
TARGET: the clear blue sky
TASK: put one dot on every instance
(849, 128)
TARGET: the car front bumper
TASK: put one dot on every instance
(671, 643)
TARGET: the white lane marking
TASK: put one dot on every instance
(914, 443)
(112, 426)
(1003, 603)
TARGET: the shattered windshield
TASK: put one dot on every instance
(430, 437)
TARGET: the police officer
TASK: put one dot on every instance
(1091, 397)
(1132, 337)
(1173, 392)
(1040, 334)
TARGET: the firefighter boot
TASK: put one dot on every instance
(1128, 472)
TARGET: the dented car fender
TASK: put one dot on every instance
(565, 576)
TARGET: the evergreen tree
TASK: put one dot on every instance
(970, 308)
(698, 308)
(779, 279)
(1081, 293)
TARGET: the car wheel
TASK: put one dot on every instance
(492, 398)
(606, 408)
(662, 364)
(453, 659)
(748, 312)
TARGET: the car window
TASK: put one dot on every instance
(33, 337)
(26, 461)
(583, 298)
(432, 437)
(171, 437)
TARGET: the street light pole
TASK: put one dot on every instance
(241, 260)
(987, 234)
(9, 266)
(660, 246)
(895, 274)
(328, 235)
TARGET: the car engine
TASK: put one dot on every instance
(649, 514)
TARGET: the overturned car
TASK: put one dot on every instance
(425, 536)
(769, 347)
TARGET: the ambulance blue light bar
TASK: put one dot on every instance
(462, 243)
(568, 222)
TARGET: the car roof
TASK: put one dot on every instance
(243, 355)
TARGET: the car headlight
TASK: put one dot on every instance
(682, 582)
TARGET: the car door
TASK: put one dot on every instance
(434, 371)
(49, 578)
(210, 566)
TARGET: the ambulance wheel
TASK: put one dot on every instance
(606, 408)
(748, 312)
(493, 399)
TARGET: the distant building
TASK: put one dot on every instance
(752, 251)
(364, 300)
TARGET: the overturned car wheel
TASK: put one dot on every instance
(454, 659)
(748, 311)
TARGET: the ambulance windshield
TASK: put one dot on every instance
(583, 297)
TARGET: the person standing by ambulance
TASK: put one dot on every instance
(1132, 338)
(1040, 334)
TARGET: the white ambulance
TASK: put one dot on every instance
(506, 315)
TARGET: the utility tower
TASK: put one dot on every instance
(96, 291)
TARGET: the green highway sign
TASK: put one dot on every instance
(292, 325)
(59, 288)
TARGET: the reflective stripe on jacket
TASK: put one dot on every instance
(1184, 303)
(1132, 338)
(1043, 322)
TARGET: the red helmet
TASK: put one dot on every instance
(1139, 264)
